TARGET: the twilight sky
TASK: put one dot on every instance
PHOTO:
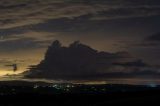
(27, 28)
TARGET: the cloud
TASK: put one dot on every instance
(8, 61)
(37, 36)
(138, 63)
(152, 41)
(28, 12)
(5, 62)
(19, 44)
(25, 41)
(154, 38)
(80, 62)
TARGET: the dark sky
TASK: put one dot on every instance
(27, 28)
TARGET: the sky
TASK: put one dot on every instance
(28, 27)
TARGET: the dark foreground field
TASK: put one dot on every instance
(82, 100)
(77, 95)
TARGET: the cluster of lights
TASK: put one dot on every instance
(63, 87)
(68, 87)
(35, 86)
(152, 85)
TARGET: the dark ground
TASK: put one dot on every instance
(137, 98)
(76, 95)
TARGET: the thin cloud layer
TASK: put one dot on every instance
(154, 38)
(18, 13)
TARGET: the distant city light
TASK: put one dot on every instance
(36, 86)
(153, 85)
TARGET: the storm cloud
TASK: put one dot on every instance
(80, 62)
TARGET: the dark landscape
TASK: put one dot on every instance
(40, 93)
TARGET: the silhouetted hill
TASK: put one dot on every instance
(81, 62)
(22, 83)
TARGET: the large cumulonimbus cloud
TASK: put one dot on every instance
(80, 62)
